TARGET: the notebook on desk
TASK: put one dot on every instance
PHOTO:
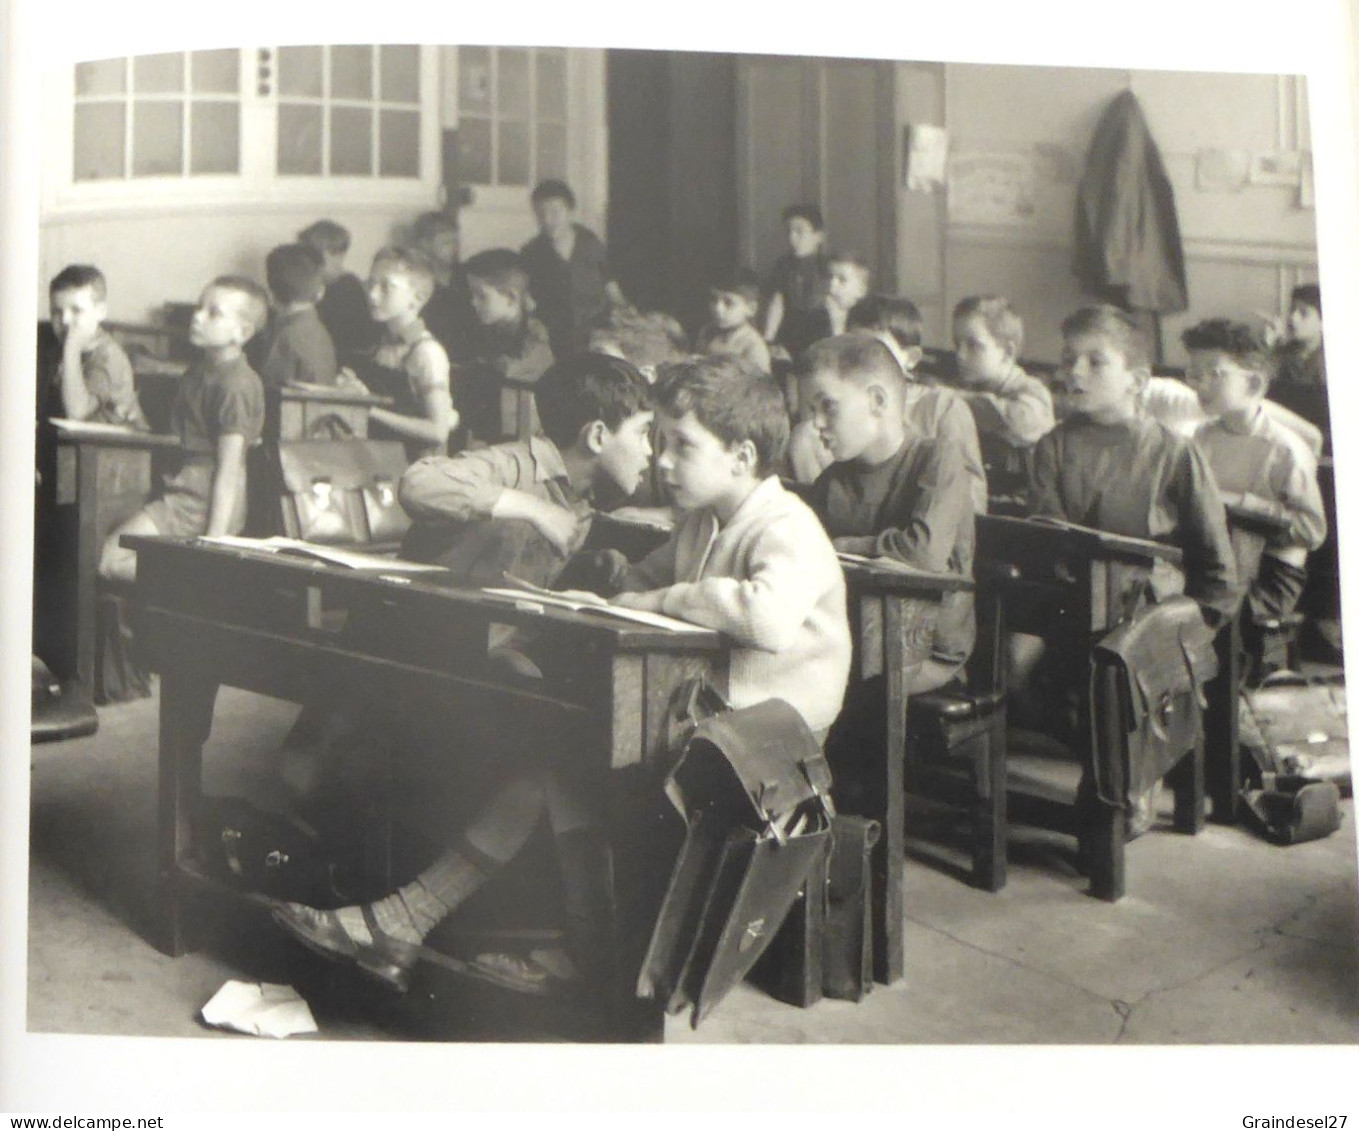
(295, 547)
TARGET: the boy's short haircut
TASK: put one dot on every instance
(858, 357)
(809, 212)
(78, 276)
(1238, 340)
(888, 314)
(1115, 325)
(552, 189)
(293, 271)
(326, 236)
(414, 264)
(738, 281)
(1306, 294)
(256, 304)
(732, 403)
(430, 224)
(586, 387)
(997, 315)
(500, 268)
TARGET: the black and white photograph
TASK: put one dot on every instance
(553, 541)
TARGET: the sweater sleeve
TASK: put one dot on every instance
(1045, 497)
(925, 536)
(1209, 563)
(767, 607)
(1300, 500)
(1021, 415)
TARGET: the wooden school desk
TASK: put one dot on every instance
(1072, 585)
(213, 615)
(103, 478)
(892, 613)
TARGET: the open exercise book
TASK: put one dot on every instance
(350, 559)
(525, 594)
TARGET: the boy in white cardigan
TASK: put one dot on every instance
(747, 557)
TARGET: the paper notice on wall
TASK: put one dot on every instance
(990, 188)
(1283, 169)
(1222, 170)
(926, 158)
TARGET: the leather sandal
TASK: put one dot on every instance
(389, 960)
(386, 960)
(522, 974)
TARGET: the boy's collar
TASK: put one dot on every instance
(410, 333)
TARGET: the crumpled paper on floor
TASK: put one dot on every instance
(260, 1009)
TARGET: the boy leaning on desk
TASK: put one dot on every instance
(746, 558)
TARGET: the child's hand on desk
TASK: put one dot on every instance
(348, 379)
(582, 597)
(642, 602)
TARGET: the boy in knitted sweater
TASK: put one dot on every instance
(747, 557)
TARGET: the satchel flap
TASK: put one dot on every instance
(347, 464)
(1166, 650)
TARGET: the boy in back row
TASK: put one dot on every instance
(298, 347)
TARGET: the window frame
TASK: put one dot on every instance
(258, 183)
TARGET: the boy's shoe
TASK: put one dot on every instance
(541, 972)
(386, 960)
(1143, 814)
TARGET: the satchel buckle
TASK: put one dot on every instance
(751, 935)
(323, 491)
(386, 495)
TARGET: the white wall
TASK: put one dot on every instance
(1244, 251)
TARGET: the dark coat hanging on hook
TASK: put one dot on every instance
(1128, 248)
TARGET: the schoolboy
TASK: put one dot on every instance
(343, 307)
(218, 413)
(892, 491)
(933, 410)
(409, 362)
(1301, 381)
(1012, 409)
(747, 557)
(569, 274)
(93, 379)
(596, 414)
(733, 303)
(1260, 465)
(448, 314)
(797, 284)
(509, 344)
(299, 348)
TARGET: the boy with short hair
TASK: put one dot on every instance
(93, 379)
(734, 301)
(1260, 465)
(343, 307)
(569, 274)
(892, 491)
(509, 344)
(218, 414)
(1012, 409)
(1301, 381)
(797, 284)
(299, 348)
(596, 414)
(448, 313)
(747, 557)
(935, 411)
(409, 363)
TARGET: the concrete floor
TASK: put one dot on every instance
(1223, 938)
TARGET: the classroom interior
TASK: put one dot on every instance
(201, 162)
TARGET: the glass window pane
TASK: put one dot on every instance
(351, 72)
(351, 141)
(400, 73)
(107, 76)
(474, 151)
(551, 151)
(158, 74)
(299, 72)
(215, 72)
(551, 97)
(157, 139)
(512, 82)
(299, 140)
(399, 144)
(99, 135)
(474, 81)
(215, 137)
(514, 154)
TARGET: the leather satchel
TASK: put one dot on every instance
(342, 491)
(847, 943)
(754, 789)
(1292, 809)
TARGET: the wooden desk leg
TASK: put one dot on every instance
(889, 859)
(1107, 831)
(989, 820)
(187, 697)
(1221, 727)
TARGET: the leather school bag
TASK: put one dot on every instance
(342, 491)
(754, 790)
